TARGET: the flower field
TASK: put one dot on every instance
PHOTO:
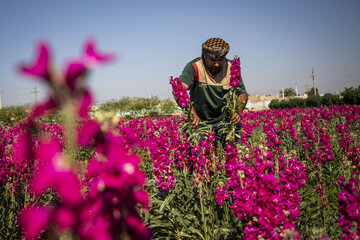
(296, 175)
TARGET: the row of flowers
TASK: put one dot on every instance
(263, 178)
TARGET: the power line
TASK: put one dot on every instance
(313, 78)
(35, 93)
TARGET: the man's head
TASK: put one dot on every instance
(214, 51)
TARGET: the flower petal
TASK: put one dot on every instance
(88, 132)
(22, 147)
(74, 71)
(41, 109)
(64, 217)
(93, 57)
(40, 67)
(33, 220)
(85, 102)
(68, 186)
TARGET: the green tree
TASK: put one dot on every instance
(297, 102)
(313, 101)
(351, 96)
(329, 99)
(311, 92)
(168, 106)
(123, 104)
(288, 92)
(274, 104)
(11, 115)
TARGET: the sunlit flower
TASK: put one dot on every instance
(33, 220)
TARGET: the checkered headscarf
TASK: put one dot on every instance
(216, 47)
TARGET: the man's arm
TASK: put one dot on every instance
(243, 98)
(236, 118)
(187, 78)
(195, 118)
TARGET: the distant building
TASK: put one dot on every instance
(259, 102)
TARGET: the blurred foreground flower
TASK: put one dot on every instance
(41, 65)
(108, 210)
(69, 85)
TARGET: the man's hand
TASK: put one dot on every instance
(236, 118)
(195, 118)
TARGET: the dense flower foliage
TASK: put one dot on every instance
(295, 175)
(106, 208)
(235, 72)
(179, 92)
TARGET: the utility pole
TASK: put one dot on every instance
(313, 78)
(296, 89)
(35, 93)
(283, 94)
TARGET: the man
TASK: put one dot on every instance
(207, 78)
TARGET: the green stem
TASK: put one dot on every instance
(202, 211)
(69, 130)
(185, 176)
(277, 168)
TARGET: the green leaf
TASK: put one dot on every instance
(197, 232)
(166, 202)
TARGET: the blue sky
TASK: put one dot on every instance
(278, 41)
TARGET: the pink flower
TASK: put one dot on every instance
(22, 147)
(84, 104)
(180, 92)
(143, 198)
(33, 220)
(89, 132)
(93, 57)
(64, 217)
(74, 72)
(55, 174)
(235, 68)
(40, 67)
(41, 109)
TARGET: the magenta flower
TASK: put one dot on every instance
(40, 67)
(235, 68)
(90, 134)
(92, 57)
(33, 220)
(142, 198)
(54, 173)
(74, 73)
(84, 104)
(49, 105)
(22, 147)
(180, 92)
(64, 217)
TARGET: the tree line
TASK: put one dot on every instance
(137, 104)
(152, 106)
(349, 96)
